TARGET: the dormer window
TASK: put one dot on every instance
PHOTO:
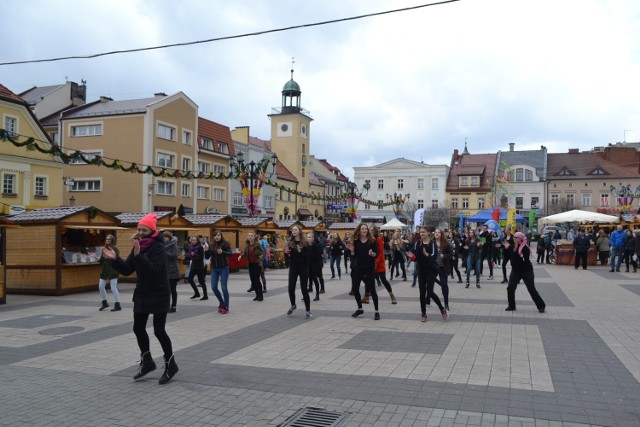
(565, 172)
(598, 171)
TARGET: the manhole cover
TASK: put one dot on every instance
(62, 330)
(314, 417)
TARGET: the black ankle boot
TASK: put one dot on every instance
(116, 307)
(104, 305)
(146, 365)
(170, 369)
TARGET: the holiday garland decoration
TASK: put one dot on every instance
(31, 144)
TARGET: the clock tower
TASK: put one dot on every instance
(290, 133)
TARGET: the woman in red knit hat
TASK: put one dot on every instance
(148, 259)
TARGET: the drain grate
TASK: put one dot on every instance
(62, 330)
(314, 417)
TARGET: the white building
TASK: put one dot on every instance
(423, 184)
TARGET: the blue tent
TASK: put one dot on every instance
(486, 215)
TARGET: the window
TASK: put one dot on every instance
(86, 130)
(464, 181)
(434, 183)
(570, 200)
(420, 183)
(434, 204)
(164, 188)
(55, 137)
(9, 184)
(519, 203)
(475, 181)
(203, 167)
(480, 202)
(454, 203)
(218, 169)
(11, 125)
(186, 163)
(218, 194)
(528, 175)
(535, 202)
(282, 194)
(268, 202)
(586, 199)
(166, 132)
(186, 137)
(89, 155)
(400, 184)
(186, 190)
(164, 160)
(381, 184)
(223, 147)
(41, 186)
(206, 144)
(203, 192)
(420, 204)
(86, 185)
(237, 198)
(465, 203)
(519, 175)
(604, 199)
(554, 199)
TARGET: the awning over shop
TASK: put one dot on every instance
(304, 212)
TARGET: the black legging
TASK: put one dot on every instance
(254, 277)
(140, 330)
(174, 291)
(454, 267)
(357, 275)
(528, 279)
(426, 282)
(303, 273)
(381, 277)
(444, 284)
(315, 277)
(505, 261)
(200, 273)
(398, 259)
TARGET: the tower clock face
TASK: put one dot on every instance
(285, 129)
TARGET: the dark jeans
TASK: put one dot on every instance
(200, 273)
(303, 274)
(140, 330)
(444, 284)
(489, 259)
(254, 276)
(426, 282)
(528, 280)
(581, 259)
(335, 260)
(174, 292)
(628, 258)
(505, 261)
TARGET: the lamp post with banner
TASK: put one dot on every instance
(251, 177)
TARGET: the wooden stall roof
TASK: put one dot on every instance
(286, 223)
(80, 217)
(316, 225)
(221, 221)
(246, 221)
(166, 221)
(343, 226)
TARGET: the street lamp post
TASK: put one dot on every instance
(398, 201)
(354, 196)
(251, 176)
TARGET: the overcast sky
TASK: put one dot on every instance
(414, 84)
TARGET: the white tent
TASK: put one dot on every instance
(577, 215)
(394, 224)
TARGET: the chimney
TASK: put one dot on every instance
(456, 156)
(105, 99)
(574, 151)
(511, 144)
(159, 94)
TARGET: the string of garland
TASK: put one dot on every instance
(239, 172)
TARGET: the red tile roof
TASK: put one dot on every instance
(582, 165)
(8, 95)
(482, 165)
(266, 145)
(216, 132)
(283, 173)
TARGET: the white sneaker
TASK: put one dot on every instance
(308, 315)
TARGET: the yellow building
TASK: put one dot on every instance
(30, 179)
(159, 132)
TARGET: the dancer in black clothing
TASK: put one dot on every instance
(521, 268)
(455, 244)
(336, 248)
(348, 239)
(507, 237)
(298, 249)
(486, 249)
(363, 254)
(316, 262)
(427, 275)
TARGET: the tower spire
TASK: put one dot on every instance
(465, 147)
(292, 62)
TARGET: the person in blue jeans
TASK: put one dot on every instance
(219, 252)
(617, 248)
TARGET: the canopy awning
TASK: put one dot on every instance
(95, 227)
(304, 212)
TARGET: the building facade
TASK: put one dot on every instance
(470, 183)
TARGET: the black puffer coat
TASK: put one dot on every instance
(152, 294)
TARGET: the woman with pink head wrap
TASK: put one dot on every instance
(521, 269)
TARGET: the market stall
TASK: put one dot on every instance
(231, 229)
(56, 251)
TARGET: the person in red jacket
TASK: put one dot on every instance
(379, 266)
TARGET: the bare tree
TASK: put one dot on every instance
(563, 205)
(433, 217)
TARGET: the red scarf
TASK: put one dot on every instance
(147, 242)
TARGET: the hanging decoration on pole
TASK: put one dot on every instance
(251, 177)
